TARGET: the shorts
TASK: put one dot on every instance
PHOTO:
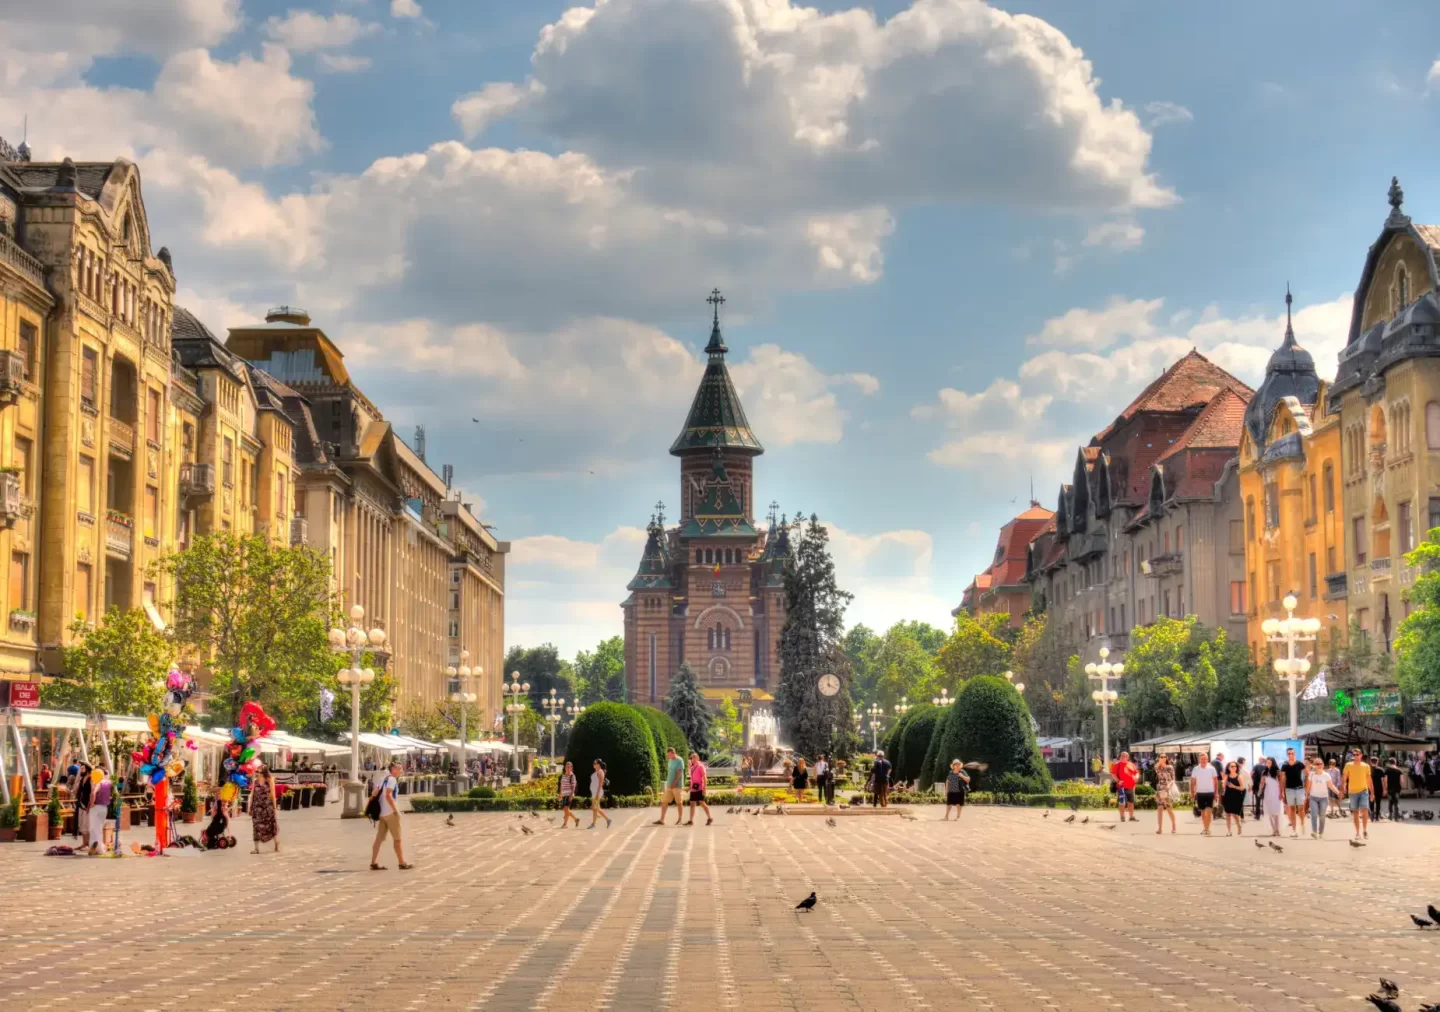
(954, 797)
(672, 794)
(388, 824)
(1360, 801)
(1295, 797)
(1124, 795)
(1204, 802)
(696, 795)
(566, 800)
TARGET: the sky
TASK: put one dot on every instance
(954, 239)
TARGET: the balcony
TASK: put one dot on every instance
(1379, 569)
(12, 506)
(1169, 564)
(17, 259)
(122, 439)
(12, 376)
(119, 534)
(197, 481)
(299, 532)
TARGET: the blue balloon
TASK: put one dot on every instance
(238, 735)
(240, 780)
(157, 776)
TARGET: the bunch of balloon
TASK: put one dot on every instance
(158, 760)
(239, 763)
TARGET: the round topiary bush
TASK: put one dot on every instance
(619, 735)
(665, 731)
(989, 723)
(912, 741)
(482, 792)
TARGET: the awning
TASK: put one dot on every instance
(1056, 742)
(112, 724)
(277, 740)
(1363, 734)
(49, 719)
(1163, 743)
(153, 614)
(418, 743)
(470, 746)
(203, 737)
(383, 742)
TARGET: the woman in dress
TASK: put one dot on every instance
(1164, 782)
(956, 784)
(1233, 799)
(597, 794)
(801, 780)
(262, 810)
(1270, 795)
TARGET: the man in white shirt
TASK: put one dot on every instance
(389, 821)
(821, 768)
(1202, 788)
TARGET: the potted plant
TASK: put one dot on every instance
(54, 816)
(34, 825)
(189, 800)
(10, 820)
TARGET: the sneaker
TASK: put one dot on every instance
(1314, 835)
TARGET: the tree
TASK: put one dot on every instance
(666, 732)
(542, 667)
(1418, 642)
(979, 645)
(112, 668)
(1179, 674)
(1040, 664)
(989, 723)
(810, 646)
(438, 721)
(929, 638)
(686, 705)
(913, 740)
(258, 613)
(727, 734)
(904, 667)
(861, 646)
(620, 736)
(600, 674)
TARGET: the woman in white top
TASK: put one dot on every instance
(1270, 795)
(1318, 788)
(597, 794)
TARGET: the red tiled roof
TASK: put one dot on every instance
(1015, 537)
(1218, 426)
(1188, 384)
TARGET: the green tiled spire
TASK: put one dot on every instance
(716, 418)
(654, 571)
(718, 510)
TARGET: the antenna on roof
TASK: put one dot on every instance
(447, 473)
(420, 442)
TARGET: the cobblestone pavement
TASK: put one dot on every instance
(1006, 910)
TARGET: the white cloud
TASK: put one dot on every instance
(1089, 328)
(477, 110)
(1159, 114)
(404, 9)
(1433, 78)
(788, 400)
(333, 63)
(1115, 235)
(83, 29)
(303, 31)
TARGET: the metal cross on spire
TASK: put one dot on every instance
(774, 512)
(1289, 329)
(716, 300)
(660, 513)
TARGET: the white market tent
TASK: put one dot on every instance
(278, 740)
(18, 719)
(388, 743)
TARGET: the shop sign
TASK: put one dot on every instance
(24, 695)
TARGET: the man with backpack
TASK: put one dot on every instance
(880, 776)
(384, 811)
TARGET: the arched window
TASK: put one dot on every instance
(1329, 487)
(1432, 425)
(710, 638)
(1401, 290)
(727, 639)
(1250, 518)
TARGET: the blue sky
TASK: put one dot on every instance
(954, 239)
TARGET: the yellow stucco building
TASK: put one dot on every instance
(1293, 527)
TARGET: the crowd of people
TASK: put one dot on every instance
(1292, 789)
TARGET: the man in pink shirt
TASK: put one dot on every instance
(697, 790)
(1126, 775)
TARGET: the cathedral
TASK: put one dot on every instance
(711, 589)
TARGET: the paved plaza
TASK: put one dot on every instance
(1007, 910)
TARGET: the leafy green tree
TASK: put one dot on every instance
(113, 667)
(666, 732)
(600, 673)
(441, 720)
(1418, 642)
(929, 638)
(1180, 674)
(989, 723)
(904, 667)
(810, 646)
(543, 668)
(861, 646)
(727, 734)
(258, 613)
(1041, 665)
(620, 736)
(686, 705)
(376, 714)
(979, 645)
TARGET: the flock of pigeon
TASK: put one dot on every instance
(1384, 999)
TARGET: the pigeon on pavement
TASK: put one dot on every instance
(807, 903)
(831, 822)
(1390, 988)
(1434, 914)
(1259, 845)
(1382, 1003)
(1420, 922)
(1071, 819)
(1275, 847)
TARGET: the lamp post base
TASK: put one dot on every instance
(352, 796)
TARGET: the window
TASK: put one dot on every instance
(1432, 425)
(24, 453)
(454, 576)
(85, 484)
(699, 556)
(152, 511)
(1402, 521)
(1434, 513)
(227, 462)
(1330, 560)
(82, 590)
(1357, 526)
(1122, 619)
(19, 581)
(1272, 579)
(1250, 518)
(454, 627)
(27, 348)
(1168, 612)
(1237, 537)
(1314, 578)
(280, 500)
(454, 600)
(152, 416)
(89, 376)
(1167, 543)
(1180, 539)
(1362, 618)
(1313, 513)
(1112, 620)
(1329, 487)
(1237, 597)
(1272, 505)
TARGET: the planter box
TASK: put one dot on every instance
(189, 817)
(319, 799)
(8, 835)
(124, 817)
(35, 827)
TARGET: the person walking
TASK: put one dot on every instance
(1356, 776)
(1164, 789)
(1232, 802)
(263, 824)
(1392, 788)
(597, 794)
(82, 790)
(1332, 770)
(388, 821)
(674, 778)
(1257, 786)
(957, 783)
(1377, 787)
(1272, 794)
(1126, 775)
(1294, 772)
(1203, 782)
(880, 778)
(567, 796)
(697, 789)
(822, 771)
(99, 807)
(1318, 788)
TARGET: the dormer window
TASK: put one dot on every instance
(1400, 290)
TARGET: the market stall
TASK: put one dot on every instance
(17, 721)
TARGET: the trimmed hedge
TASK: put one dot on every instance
(666, 732)
(989, 723)
(482, 792)
(620, 736)
(891, 742)
(427, 806)
(913, 741)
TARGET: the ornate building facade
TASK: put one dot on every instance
(709, 590)
(1001, 587)
(1290, 466)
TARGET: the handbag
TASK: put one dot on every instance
(1174, 791)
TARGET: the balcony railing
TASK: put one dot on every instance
(119, 533)
(122, 438)
(299, 531)
(17, 258)
(197, 480)
(1380, 569)
(1169, 564)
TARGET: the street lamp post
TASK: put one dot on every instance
(515, 689)
(1019, 686)
(553, 708)
(460, 677)
(903, 707)
(1102, 673)
(876, 712)
(353, 640)
(1290, 631)
(944, 699)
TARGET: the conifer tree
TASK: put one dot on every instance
(687, 707)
